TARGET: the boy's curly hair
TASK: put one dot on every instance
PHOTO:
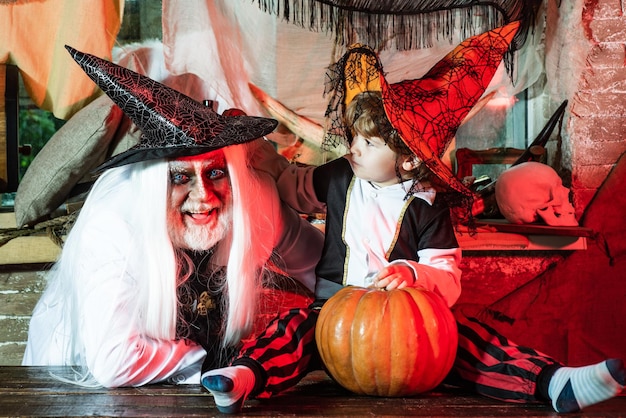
(366, 115)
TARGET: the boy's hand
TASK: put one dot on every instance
(394, 276)
(265, 158)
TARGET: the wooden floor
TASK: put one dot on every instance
(32, 391)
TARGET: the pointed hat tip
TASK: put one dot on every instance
(172, 124)
(73, 52)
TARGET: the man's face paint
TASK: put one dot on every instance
(199, 213)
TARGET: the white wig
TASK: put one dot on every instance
(256, 228)
(136, 195)
(125, 204)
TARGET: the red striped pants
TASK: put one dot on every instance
(486, 362)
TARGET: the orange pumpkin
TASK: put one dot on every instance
(387, 343)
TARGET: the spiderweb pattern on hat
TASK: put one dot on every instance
(428, 111)
(172, 124)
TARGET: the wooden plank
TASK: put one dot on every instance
(502, 225)
(503, 241)
(500, 235)
(7, 220)
(29, 250)
(34, 391)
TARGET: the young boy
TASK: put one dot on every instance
(388, 227)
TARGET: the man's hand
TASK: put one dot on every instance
(394, 276)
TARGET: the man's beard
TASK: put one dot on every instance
(200, 237)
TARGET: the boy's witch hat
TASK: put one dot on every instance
(172, 124)
(427, 111)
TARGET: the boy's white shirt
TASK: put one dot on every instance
(372, 215)
(378, 210)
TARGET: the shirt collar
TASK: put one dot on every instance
(428, 194)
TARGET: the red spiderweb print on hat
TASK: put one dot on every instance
(428, 111)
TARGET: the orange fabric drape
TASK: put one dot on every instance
(33, 35)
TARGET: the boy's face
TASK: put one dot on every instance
(199, 212)
(372, 160)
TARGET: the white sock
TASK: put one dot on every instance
(230, 387)
(574, 388)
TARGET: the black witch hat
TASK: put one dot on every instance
(172, 124)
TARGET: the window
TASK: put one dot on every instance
(504, 123)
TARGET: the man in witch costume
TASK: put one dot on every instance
(161, 273)
(388, 225)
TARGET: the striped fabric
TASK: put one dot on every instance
(487, 363)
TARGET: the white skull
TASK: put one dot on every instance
(530, 191)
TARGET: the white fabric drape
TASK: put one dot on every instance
(226, 43)
(229, 43)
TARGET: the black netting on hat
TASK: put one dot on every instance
(341, 77)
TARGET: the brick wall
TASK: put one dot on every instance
(19, 292)
(592, 40)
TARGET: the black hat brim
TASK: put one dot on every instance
(237, 130)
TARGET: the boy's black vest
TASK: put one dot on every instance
(332, 183)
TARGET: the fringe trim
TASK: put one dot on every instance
(403, 24)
